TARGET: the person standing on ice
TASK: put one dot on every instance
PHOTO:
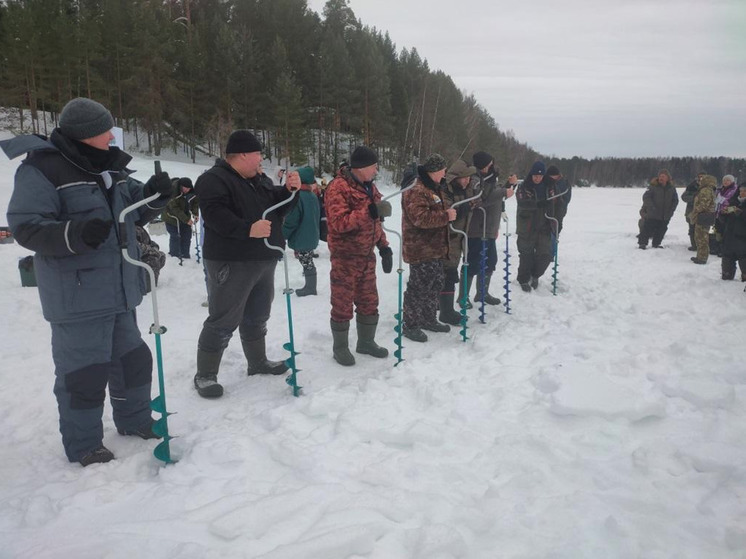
(425, 219)
(688, 197)
(702, 217)
(658, 206)
(354, 211)
(533, 229)
(301, 228)
(559, 204)
(240, 267)
(458, 187)
(68, 195)
(492, 200)
(180, 213)
(734, 235)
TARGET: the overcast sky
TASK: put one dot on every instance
(588, 77)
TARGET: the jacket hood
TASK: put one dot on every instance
(25, 144)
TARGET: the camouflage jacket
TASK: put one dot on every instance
(424, 224)
(351, 230)
(703, 206)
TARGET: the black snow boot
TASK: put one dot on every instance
(414, 334)
(101, 455)
(447, 313)
(206, 379)
(256, 357)
(488, 299)
(144, 432)
(309, 288)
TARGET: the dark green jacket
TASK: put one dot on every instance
(181, 207)
(301, 225)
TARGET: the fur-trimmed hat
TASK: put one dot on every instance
(434, 162)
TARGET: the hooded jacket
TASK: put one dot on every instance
(56, 191)
(659, 202)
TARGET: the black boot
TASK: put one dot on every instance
(366, 332)
(414, 334)
(341, 348)
(206, 379)
(534, 283)
(447, 313)
(309, 288)
(101, 455)
(256, 357)
(488, 299)
(144, 432)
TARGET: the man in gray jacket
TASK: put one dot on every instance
(68, 194)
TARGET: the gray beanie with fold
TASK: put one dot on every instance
(84, 118)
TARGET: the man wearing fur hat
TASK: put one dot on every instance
(491, 201)
(354, 211)
(458, 187)
(425, 219)
(658, 205)
(240, 267)
(68, 194)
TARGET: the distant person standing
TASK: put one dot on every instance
(68, 194)
(658, 206)
(301, 228)
(533, 229)
(688, 196)
(723, 195)
(734, 235)
(702, 217)
(240, 267)
(560, 203)
(180, 214)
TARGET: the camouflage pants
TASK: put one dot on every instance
(305, 257)
(421, 297)
(702, 240)
(353, 280)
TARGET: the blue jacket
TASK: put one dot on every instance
(56, 192)
(301, 225)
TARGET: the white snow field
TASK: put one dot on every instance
(604, 422)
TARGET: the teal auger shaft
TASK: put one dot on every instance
(556, 264)
(398, 327)
(292, 380)
(163, 450)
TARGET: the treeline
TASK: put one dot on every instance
(634, 172)
(181, 74)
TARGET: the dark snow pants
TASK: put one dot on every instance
(421, 297)
(353, 281)
(89, 355)
(240, 295)
(535, 253)
(179, 239)
(728, 266)
(474, 256)
(655, 229)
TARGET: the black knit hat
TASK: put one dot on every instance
(84, 118)
(363, 157)
(186, 182)
(553, 170)
(538, 168)
(242, 141)
(481, 159)
(434, 162)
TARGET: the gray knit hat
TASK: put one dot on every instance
(84, 118)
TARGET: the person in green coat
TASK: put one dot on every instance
(301, 228)
(179, 216)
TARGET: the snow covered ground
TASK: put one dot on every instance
(604, 422)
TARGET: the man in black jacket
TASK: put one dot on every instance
(240, 267)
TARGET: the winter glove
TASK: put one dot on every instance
(387, 259)
(95, 231)
(384, 208)
(159, 183)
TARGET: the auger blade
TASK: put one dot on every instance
(157, 405)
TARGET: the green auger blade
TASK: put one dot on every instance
(288, 347)
(163, 451)
(293, 382)
(160, 427)
(157, 405)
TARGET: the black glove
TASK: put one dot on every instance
(95, 231)
(160, 183)
(387, 259)
(373, 210)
